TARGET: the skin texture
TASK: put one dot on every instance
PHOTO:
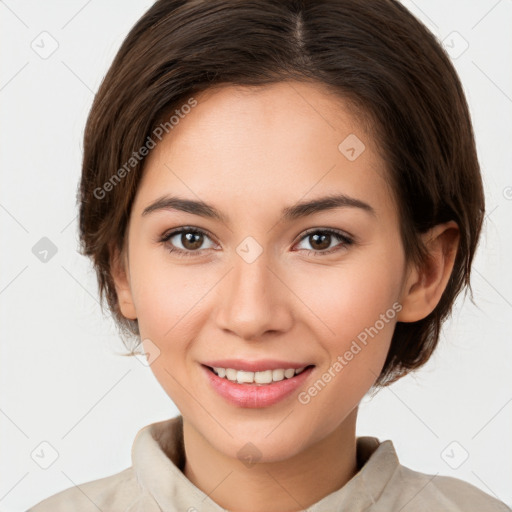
(251, 152)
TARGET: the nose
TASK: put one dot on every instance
(254, 301)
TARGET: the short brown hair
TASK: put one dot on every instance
(375, 54)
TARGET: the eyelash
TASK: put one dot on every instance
(346, 240)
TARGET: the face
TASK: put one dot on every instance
(267, 280)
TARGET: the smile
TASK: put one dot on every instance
(242, 389)
(261, 377)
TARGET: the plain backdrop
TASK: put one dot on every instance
(69, 402)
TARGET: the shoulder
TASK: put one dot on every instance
(114, 492)
(421, 491)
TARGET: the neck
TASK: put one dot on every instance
(284, 486)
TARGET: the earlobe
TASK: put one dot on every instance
(120, 274)
(424, 286)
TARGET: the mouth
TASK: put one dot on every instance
(259, 378)
(238, 388)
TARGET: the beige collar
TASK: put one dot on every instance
(158, 459)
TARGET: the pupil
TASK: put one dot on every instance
(187, 240)
(323, 245)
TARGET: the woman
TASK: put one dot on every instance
(282, 201)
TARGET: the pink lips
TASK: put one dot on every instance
(253, 395)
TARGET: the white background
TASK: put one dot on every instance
(61, 379)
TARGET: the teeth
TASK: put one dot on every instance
(289, 373)
(231, 374)
(242, 377)
(263, 377)
(277, 375)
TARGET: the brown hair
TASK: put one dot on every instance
(375, 54)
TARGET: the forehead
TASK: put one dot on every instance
(254, 146)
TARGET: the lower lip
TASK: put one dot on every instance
(255, 396)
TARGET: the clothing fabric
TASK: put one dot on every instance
(155, 482)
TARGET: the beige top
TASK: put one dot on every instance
(155, 482)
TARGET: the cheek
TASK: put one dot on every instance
(168, 302)
(356, 307)
(358, 315)
(350, 296)
(167, 311)
(166, 296)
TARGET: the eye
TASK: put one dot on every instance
(321, 240)
(191, 240)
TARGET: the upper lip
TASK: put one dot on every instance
(254, 366)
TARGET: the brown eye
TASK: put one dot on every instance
(186, 241)
(320, 241)
(191, 241)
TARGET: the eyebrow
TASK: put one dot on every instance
(288, 214)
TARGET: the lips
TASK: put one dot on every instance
(255, 395)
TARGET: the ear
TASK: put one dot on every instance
(424, 286)
(119, 269)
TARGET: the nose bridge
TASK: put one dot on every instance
(251, 302)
